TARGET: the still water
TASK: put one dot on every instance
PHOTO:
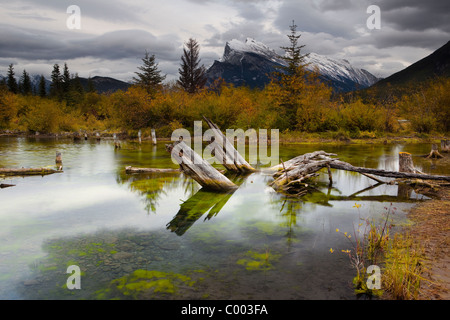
(162, 237)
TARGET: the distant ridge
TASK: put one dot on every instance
(105, 84)
(434, 65)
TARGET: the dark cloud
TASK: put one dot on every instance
(32, 44)
(416, 15)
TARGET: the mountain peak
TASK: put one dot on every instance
(250, 62)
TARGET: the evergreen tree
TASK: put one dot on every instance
(65, 84)
(56, 86)
(289, 84)
(25, 83)
(90, 85)
(294, 59)
(11, 80)
(192, 76)
(151, 77)
(42, 87)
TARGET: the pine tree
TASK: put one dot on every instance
(151, 77)
(192, 76)
(11, 80)
(25, 83)
(42, 87)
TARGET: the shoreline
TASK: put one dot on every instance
(430, 229)
(301, 138)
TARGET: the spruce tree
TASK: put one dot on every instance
(42, 87)
(90, 85)
(56, 85)
(294, 59)
(25, 83)
(192, 75)
(150, 78)
(65, 84)
(11, 80)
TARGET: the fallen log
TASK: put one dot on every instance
(225, 152)
(199, 169)
(130, 169)
(385, 173)
(290, 176)
(27, 171)
(4, 185)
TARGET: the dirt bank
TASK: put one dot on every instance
(431, 229)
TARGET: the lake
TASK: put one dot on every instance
(160, 236)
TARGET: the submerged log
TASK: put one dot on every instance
(225, 152)
(130, 169)
(28, 171)
(199, 169)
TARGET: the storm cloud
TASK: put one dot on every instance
(115, 34)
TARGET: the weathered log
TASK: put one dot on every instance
(292, 163)
(434, 153)
(27, 171)
(131, 169)
(385, 173)
(225, 152)
(199, 169)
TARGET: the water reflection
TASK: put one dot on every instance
(252, 243)
(192, 209)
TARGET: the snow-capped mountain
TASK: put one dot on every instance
(250, 63)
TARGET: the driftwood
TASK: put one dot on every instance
(199, 169)
(28, 171)
(225, 152)
(130, 169)
(291, 176)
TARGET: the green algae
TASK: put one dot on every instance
(256, 261)
(145, 283)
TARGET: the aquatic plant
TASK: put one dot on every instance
(145, 283)
(368, 246)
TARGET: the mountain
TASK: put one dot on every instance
(250, 62)
(435, 64)
(101, 84)
(105, 84)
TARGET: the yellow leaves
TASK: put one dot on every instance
(331, 250)
(357, 206)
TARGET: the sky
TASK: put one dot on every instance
(113, 35)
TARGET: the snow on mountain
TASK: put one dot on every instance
(250, 62)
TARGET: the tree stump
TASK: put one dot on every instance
(58, 159)
(153, 136)
(434, 153)
(445, 145)
(405, 162)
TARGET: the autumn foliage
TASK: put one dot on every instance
(303, 104)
